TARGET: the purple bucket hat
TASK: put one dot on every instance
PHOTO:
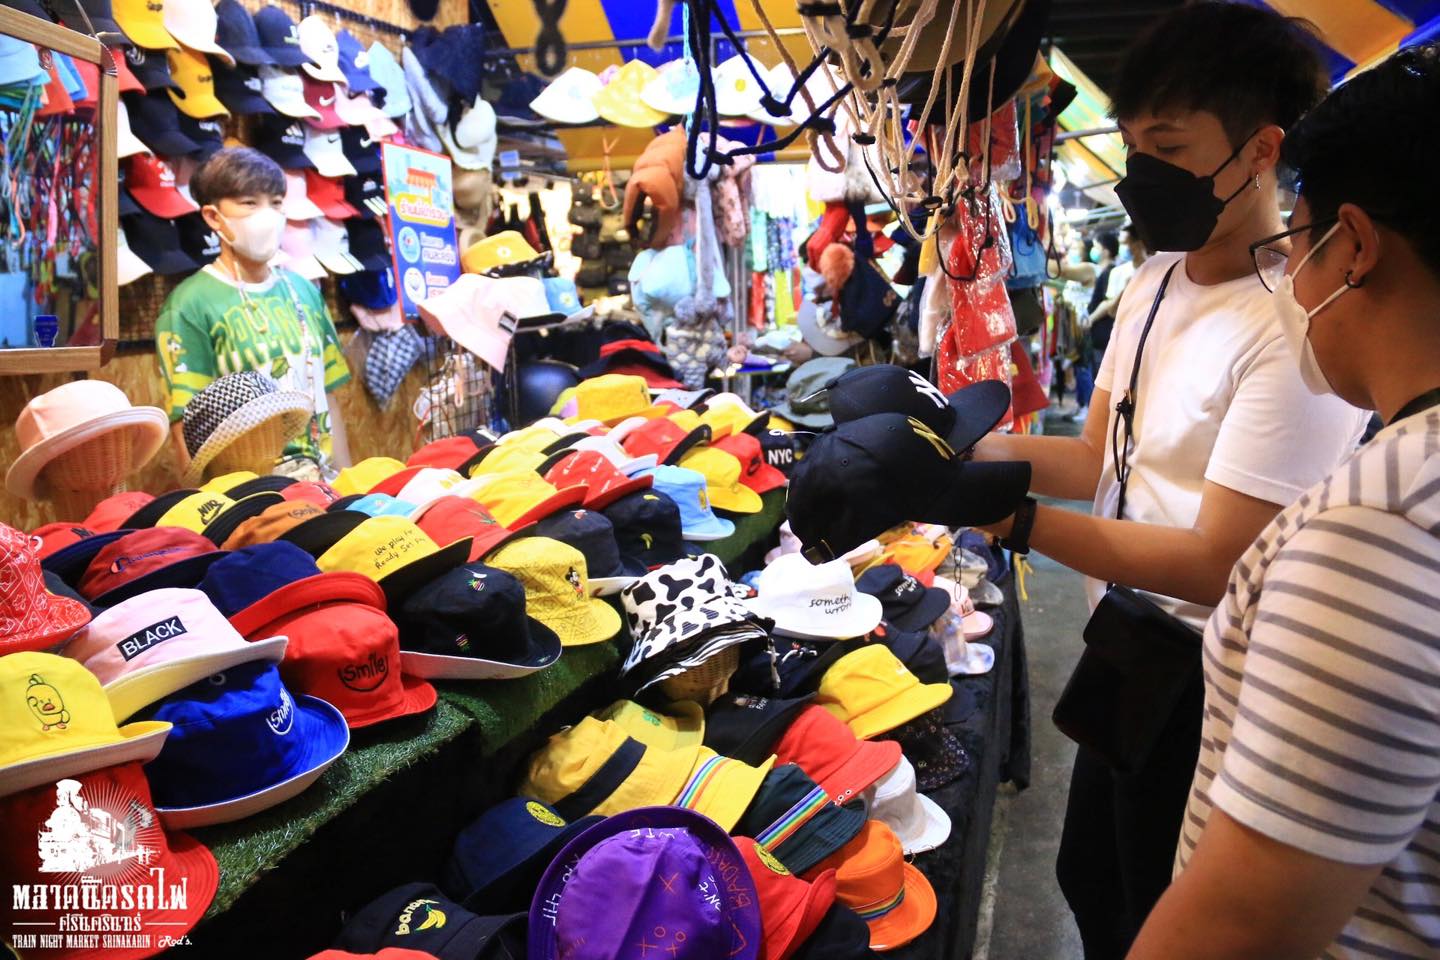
(664, 876)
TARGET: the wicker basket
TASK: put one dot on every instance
(99, 464)
(255, 451)
(707, 682)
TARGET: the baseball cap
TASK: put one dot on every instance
(298, 205)
(755, 473)
(279, 37)
(554, 576)
(831, 755)
(194, 23)
(795, 820)
(354, 62)
(144, 23)
(320, 96)
(195, 83)
(366, 194)
(241, 90)
(908, 604)
(235, 32)
(149, 68)
(240, 744)
(647, 528)
(151, 182)
(961, 419)
(283, 89)
(688, 490)
(497, 860)
(209, 135)
(149, 646)
(317, 42)
(814, 601)
(331, 246)
(421, 918)
(146, 560)
(391, 78)
(368, 243)
(197, 240)
(596, 767)
(891, 895)
(395, 553)
(790, 908)
(282, 140)
(868, 475)
(873, 692)
(328, 195)
(360, 149)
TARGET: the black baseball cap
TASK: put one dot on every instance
(197, 240)
(418, 916)
(871, 474)
(647, 528)
(921, 653)
(746, 727)
(154, 119)
(236, 34)
(157, 242)
(779, 449)
(961, 418)
(150, 68)
(282, 139)
(360, 149)
(908, 604)
(209, 135)
(367, 194)
(367, 243)
(279, 38)
(239, 89)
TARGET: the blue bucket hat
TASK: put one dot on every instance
(687, 489)
(246, 576)
(240, 744)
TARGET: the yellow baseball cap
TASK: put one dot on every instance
(684, 726)
(619, 101)
(722, 480)
(557, 589)
(366, 475)
(613, 397)
(497, 250)
(57, 722)
(395, 553)
(143, 21)
(692, 421)
(728, 410)
(516, 499)
(721, 787)
(634, 776)
(192, 74)
(873, 692)
(195, 512)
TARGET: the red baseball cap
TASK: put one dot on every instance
(103, 799)
(55, 536)
(449, 518)
(755, 473)
(328, 193)
(448, 453)
(151, 181)
(343, 648)
(602, 482)
(147, 560)
(665, 438)
(320, 494)
(830, 754)
(112, 512)
(320, 96)
(393, 484)
(790, 908)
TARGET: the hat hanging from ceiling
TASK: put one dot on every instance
(570, 97)
(620, 100)
(673, 88)
(94, 423)
(241, 408)
(737, 92)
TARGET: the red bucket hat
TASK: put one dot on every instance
(831, 755)
(31, 617)
(112, 512)
(603, 483)
(451, 518)
(146, 560)
(790, 908)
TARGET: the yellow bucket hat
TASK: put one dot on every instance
(566, 772)
(557, 589)
(683, 727)
(721, 787)
(516, 499)
(513, 458)
(366, 475)
(228, 481)
(613, 397)
(873, 692)
(497, 250)
(722, 480)
(57, 722)
(619, 101)
(916, 555)
(395, 553)
(728, 410)
(195, 512)
(693, 421)
(192, 74)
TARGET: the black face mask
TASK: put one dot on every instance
(1172, 208)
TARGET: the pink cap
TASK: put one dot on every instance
(471, 312)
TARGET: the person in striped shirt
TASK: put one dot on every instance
(1313, 826)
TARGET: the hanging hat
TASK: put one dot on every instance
(196, 94)
(279, 36)
(209, 136)
(501, 249)
(151, 181)
(472, 144)
(736, 91)
(570, 97)
(873, 878)
(154, 119)
(31, 618)
(331, 245)
(557, 594)
(194, 24)
(873, 692)
(317, 42)
(241, 91)
(807, 403)
(463, 311)
(321, 96)
(354, 62)
(285, 91)
(619, 101)
(233, 406)
(126, 143)
(673, 89)
(71, 415)
(919, 823)
(149, 68)
(297, 204)
(386, 72)
(144, 23)
(781, 81)
(235, 32)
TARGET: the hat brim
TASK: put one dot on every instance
(740, 499)
(932, 606)
(285, 56)
(181, 573)
(251, 56)
(220, 529)
(295, 110)
(712, 528)
(864, 615)
(150, 425)
(416, 696)
(326, 737)
(136, 691)
(567, 497)
(979, 659)
(245, 103)
(292, 407)
(69, 563)
(150, 514)
(609, 586)
(934, 831)
(405, 580)
(258, 485)
(870, 761)
(978, 408)
(602, 500)
(323, 73)
(977, 625)
(727, 797)
(139, 742)
(911, 918)
(503, 886)
(319, 534)
(544, 644)
(338, 586)
(814, 421)
(594, 622)
(899, 711)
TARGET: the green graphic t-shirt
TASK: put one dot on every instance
(205, 331)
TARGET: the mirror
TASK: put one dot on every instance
(58, 299)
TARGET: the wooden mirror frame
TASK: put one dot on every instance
(52, 36)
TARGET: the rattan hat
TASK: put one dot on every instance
(233, 408)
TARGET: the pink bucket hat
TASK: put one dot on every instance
(470, 313)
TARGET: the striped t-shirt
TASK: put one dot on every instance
(1322, 687)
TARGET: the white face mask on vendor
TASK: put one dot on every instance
(255, 237)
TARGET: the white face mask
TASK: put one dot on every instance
(1295, 322)
(257, 236)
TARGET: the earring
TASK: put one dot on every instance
(1353, 284)
(1257, 181)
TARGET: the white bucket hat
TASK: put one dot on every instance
(814, 602)
(74, 414)
(569, 97)
(232, 407)
(673, 89)
(285, 91)
(918, 822)
(327, 153)
(736, 92)
(472, 146)
(781, 80)
(317, 41)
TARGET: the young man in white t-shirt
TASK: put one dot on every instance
(1313, 826)
(1225, 434)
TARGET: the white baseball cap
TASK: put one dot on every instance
(325, 151)
(193, 23)
(332, 247)
(128, 266)
(569, 98)
(317, 41)
(126, 143)
(284, 91)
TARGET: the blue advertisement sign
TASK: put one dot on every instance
(419, 193)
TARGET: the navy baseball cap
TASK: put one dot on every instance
(282, 139)
(497, 860)
(908, 604)
(355, 64)
(921, 653)
(154, 119)
(367, 244)
(235, 33)
(360, 149)
(239, 89)
(279, 37)
(871, 474)
(209, 135)
(366, 194)
(594, 536)
(372, 289)
(647, 528)
(961, 418)
(746, 727)
(418, 916)
(151, 68)
(199, 242)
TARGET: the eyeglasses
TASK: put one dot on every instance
(1272, 254)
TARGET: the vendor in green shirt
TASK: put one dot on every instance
(240, 313)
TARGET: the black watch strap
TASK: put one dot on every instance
(1024, 521)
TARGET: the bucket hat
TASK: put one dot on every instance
(516, 499)
(619, 101)
(470, 624)
(233, 407)
(874, 693)
(647, 528)
(747, 727)
(144, 24)
(194, 92)
(448, 452)
(613, 397)
(235, 32)
(497, 860)
(422, 485)
(663, 437)
(891, 895)
(610, 448)
(796, 821)
(554, 576)
(395, 553)
(93, 828)
(811, 601)
(673, 89)
(570, 97)
(736, 91)
(51, 538)
(285, 91)
(219, 530)
(681, 726)
(791, 909)
(603, 483)
(145, 560)
(723, 473)
(842, 935)
(459, 516)
(919, 822)
(503, 249)
(317, 42)
(962, 417)
(194, 23)
(907, 603)
(937, 754)
(279, 36)
(463, 312)
(271, 523)
(595, 767)
(721, 788)
(109, 514)
(608, 882)
(58, 723)
(831, 755)
(146, 648)
(366, 475)
(807, 403)
(74, 414)
(688, 490)
(421, 919)
(246, 712)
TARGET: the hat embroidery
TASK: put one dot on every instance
(573, 578)
(47, 704)
(142, 640)
(538, 811)
(768, 858)
(283, 716)
(648, 540)
(931, 437)
(926, 388)
(434, 918)
(476, 582)
(366, 676)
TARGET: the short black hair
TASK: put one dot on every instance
(1373, 143)
(236, 172)
(1250, 67)
(1110, 241)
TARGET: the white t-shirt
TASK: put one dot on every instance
(1220, 399)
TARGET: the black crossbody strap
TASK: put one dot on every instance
(1127, 404)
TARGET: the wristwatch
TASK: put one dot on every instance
(1020, 526)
